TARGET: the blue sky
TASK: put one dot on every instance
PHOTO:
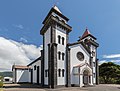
(21, 21)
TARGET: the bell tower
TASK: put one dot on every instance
(55, 65)
(92, 44)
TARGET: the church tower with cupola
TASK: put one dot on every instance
(83, 60)
(55, 65)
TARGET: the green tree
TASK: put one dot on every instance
(109, 73)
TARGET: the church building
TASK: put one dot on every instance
(62, 63)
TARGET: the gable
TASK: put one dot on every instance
(82, 43)
(73, 55)
(82, 47)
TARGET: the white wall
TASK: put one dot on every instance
(62, 48)
(74, 60)
(47, 38)
(37, 63)
(29, 76)
(76, 79)
(22, 75)
(93, 48)
(13, 75)
(75, 72)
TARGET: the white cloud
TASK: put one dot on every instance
(14, 52)
(23, 40)
(18, 26)
(105, 61)
(102, 61)
(112, 56)
(115, 61)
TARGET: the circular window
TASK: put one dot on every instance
(80, 56)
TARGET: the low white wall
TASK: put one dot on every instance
(22, 75)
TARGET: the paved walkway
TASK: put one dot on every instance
(104, 87)
(29, 87)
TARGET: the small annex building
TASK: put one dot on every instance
(61, 63)
(20, 74)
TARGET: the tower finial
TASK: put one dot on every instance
(86, 28)
(55, 4)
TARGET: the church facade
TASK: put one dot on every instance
(63, 63)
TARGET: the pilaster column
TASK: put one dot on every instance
(15, 75)
(91, 80)
(42, 68)
(52, 64)
(81, 80)
(68, 78)
(97, 72)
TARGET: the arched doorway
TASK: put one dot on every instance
(86, 77)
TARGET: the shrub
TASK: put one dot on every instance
(118, 81)
(1, 84)
(1, 81)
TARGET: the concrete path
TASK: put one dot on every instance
(30, 87)
(104, 87)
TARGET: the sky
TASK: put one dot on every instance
(21, 21)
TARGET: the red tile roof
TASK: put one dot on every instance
(20, 67)
(86, 33)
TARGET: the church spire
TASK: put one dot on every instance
(86, 33)
(57, 9)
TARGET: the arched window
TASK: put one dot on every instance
(63, 56)
(59, 55)
(94, 75)
(93, 53)
(86, 40)
(91, 61)
(59, 37)
(93, 64)
(35, 67)
(63, 40)
(46, 73)
(63, 72)
(59, 72)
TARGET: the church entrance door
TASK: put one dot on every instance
(86, 77)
